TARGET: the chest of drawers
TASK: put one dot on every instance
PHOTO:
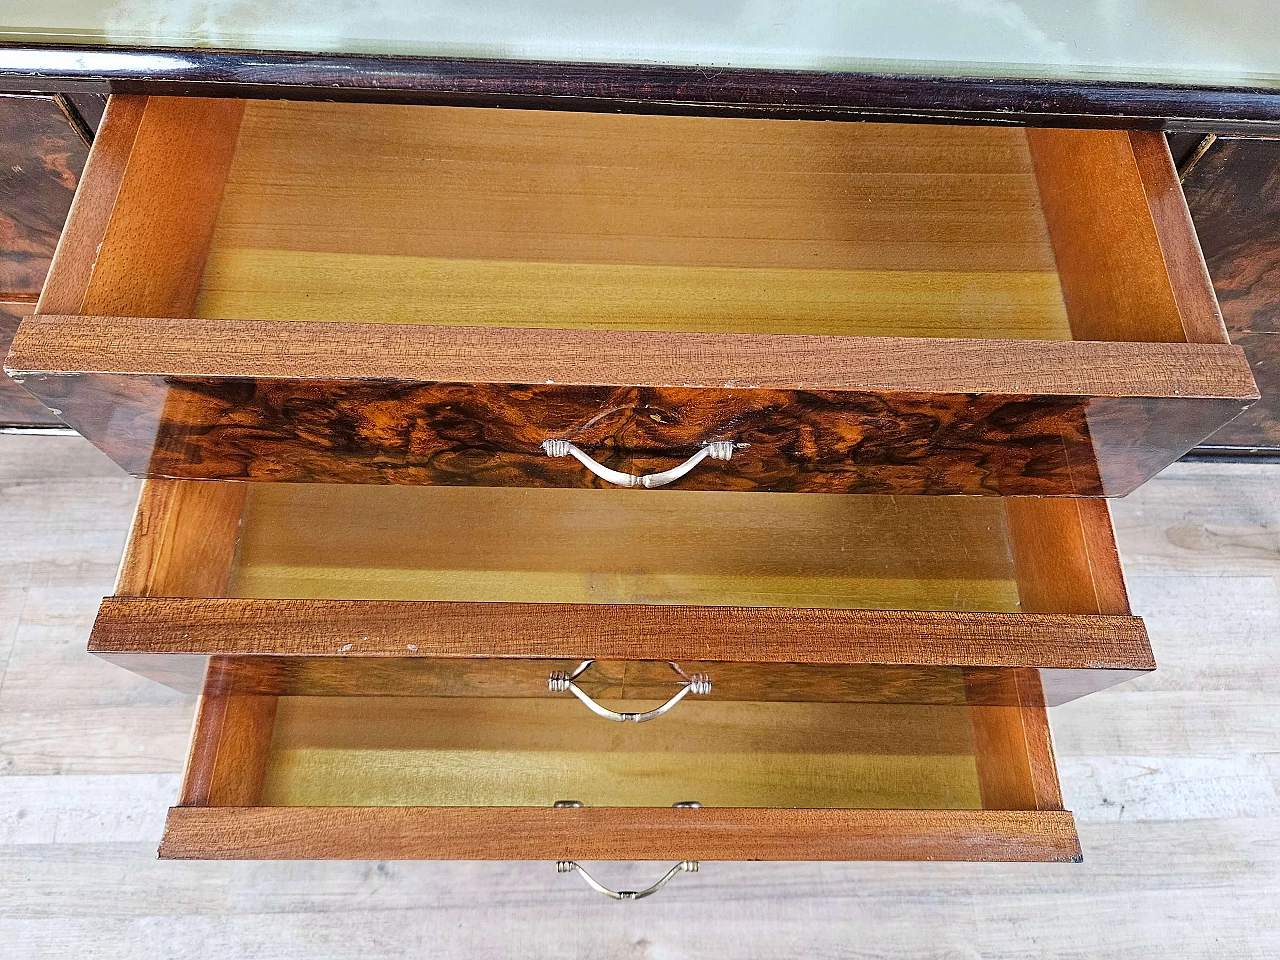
(447, 331)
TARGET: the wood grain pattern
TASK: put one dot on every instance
(449, 405)
(91, 211)
(41, 159)
(1172, 782)
(1114, 275)
(692, 577)
(1234, 196)
(368, 629)
(183, 541)
(219, 399)
(402, 752)
(154, 247)
(230, 742)
(1065, 558)
(1033, 722)
(354, 287)
(513, 218)
(245, 738)
(502, 649)
(1257, 430)
(336, 541)
(649, 680)
(199, 348)
(1013, 748)
(1184, 262)
(534, 186)
(388, 833)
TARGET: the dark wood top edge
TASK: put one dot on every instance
(639, 87)
(70, 345)
(616, 833)
(352, 629)
(1209, 453)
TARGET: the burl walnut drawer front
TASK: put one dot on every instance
(418, 671)
(392, 294)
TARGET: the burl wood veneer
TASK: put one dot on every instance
(1234, 195)
(423, 295)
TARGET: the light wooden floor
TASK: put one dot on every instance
(1173, 779)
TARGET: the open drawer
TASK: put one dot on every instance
(889, 658)
(491, 778)
(428, 295)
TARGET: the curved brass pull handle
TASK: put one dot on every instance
(570, 866)
(559, 681)
(716, 450)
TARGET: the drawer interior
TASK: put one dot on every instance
(268, 774)
(364, 542)
(399, 214)
(331, 590)
(439, 215)
(376, 777)
(423, 751)
(360, 542)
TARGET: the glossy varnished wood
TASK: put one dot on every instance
(41, 159)
(456, 406)
(71, 271)
(645, 88)
(1234, 196)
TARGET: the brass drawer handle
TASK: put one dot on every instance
(559, 681)
(716, 450)
(571, 866)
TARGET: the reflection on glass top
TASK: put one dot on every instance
(1163, 41)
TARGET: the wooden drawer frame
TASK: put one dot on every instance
(166, 622)
(1151, 373)
(219, 816)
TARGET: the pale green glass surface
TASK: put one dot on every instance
(1160, 41)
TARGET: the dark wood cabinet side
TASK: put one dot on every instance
(1233, 192)
(41, 159)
